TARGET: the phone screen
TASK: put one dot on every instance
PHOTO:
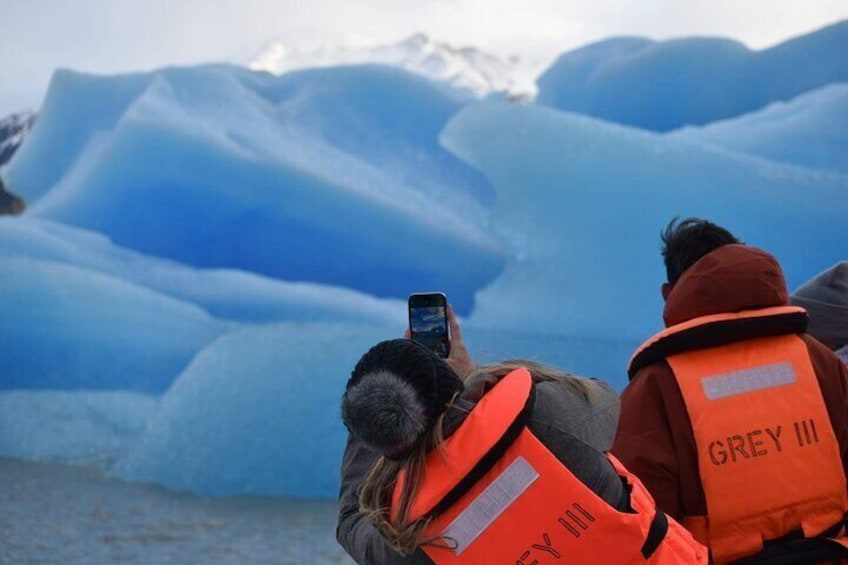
(428, 321)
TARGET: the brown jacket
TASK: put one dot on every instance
(654, 438)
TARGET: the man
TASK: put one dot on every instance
(825, 298)
(735, 419)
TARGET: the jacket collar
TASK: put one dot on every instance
(732, 278)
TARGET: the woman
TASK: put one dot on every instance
(490, 470)
(592, 423)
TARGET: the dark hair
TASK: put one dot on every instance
(686, 241)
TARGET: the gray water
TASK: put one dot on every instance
(53, 513)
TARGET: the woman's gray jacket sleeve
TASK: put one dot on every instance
(354, 532)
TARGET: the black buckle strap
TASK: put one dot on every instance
(656, 534)
(794, 548)
(718, 333)
(836, 529)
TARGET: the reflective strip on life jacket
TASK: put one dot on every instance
(768, 458)
(529, 508)
(456, 458)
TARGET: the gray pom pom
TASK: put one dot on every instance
(385, 412)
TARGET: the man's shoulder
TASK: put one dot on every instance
(816, 348)
(656, 377)
(829, 369)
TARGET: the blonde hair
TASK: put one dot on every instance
(375, 500)
(540, 373)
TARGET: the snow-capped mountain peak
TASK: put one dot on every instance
(465, 67)
(13, 130)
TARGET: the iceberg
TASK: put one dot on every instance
(332, 176)
(665, 85)
(581, 203)
(256, 412)
(83, 313)
(65, 327)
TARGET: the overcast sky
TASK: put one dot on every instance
(106, 36)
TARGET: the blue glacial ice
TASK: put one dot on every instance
(810, 130)
(76, 426)
(581, 203)
(68, 327)
(256, 412)
(84, 313)
(227, 294)
(208, 251)
(221, 167)
(691, 81)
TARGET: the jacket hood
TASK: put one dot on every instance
(730, 279)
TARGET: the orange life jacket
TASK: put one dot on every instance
(495, 494)
(768, 458)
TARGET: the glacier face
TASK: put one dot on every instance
(209, 250)
(691, 81)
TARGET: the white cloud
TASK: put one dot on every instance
(36, 36)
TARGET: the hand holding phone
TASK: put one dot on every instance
(428, 321)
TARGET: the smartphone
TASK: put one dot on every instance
(428, 321)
